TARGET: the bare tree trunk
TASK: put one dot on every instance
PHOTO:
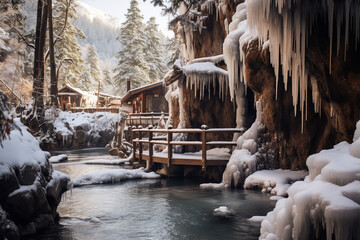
(39, 65)
(53, 78)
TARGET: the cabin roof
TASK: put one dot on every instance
(141, 89)
(74, 89)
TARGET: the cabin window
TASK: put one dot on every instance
(149, 103)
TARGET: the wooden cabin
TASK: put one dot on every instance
(70, 97)
(148, 98)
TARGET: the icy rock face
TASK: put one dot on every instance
(325, 205)
(30, 189)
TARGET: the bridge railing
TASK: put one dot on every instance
(145, 119)
(166, 138)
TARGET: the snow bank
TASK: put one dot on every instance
(275, 182)
(326, 203)
(111, 161)
(58, 158)
(112, 176)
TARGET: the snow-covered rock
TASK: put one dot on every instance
(276, 181)
(112, 176)
(58, 158)
(326, 203)
(223, 212)
(30, 189)
(74, 130)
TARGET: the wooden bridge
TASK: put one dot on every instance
(165, 137)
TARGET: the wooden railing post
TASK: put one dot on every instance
(140, 144)
(116, 132)
(134, 143)
(130, 121)
(169, 139)
(151, 149)
(152, 118)
(140, 120)
(203, 145)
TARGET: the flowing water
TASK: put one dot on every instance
(151, 209)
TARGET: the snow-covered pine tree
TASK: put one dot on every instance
(92, 62)
(67, 49)
(154, 51)
(108, 83)
(132, 66)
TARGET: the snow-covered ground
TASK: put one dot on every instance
(326, 202)
(112, 176)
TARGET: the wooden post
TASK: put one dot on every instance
(203, 144)
(152, 118)
(134, 143)
(140, 120)
(151, 149)
(116, 131)
(140, 144)
(169, 139)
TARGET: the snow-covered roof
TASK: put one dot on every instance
(141, 89)
(77, 90)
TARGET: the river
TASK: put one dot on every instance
(152, 208)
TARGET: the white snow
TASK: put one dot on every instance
(328, 200)
(243, 160)
(112, 176)
(21, 148)
(256, 218)
(224, 212)
(58, 158)
(276, 181)
(111, 161)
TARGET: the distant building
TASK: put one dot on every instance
(70, 97)
(148, 98)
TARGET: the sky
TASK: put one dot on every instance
(118, 8)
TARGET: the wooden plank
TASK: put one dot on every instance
(186, 130)
(224, 143)
(190, 162)
(158, 159)
(159, 142)
(186, 143)
(151, 149)
(217, 130)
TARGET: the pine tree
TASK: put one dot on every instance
(108, 83)
(154, 51)
(67, 49)
(92, 61)
(132, 66)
